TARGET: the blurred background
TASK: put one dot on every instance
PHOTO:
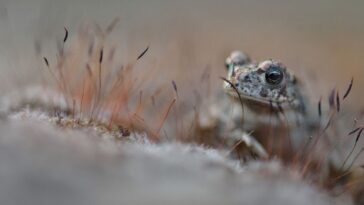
(321, 40)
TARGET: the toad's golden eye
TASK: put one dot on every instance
(274, 75)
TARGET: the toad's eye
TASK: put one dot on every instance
(274, 75)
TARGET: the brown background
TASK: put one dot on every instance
(322, 41)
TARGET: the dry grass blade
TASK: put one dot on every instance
(139, 106)
(358, 136)
(90, 49)
(337, 101)
(50, 71)
(332, 99)
(354, 131)
(319, 107)
(65, 35)
(165, 116)
(46, 61)
(352, 150)
(327, 125)
(88, 69)
(143, 53)
(82, 96)
(112, 25)
(175, 87)
(314, 144)
(237, 92)
(100, 74)
(355, 158)
(101, 55)
(349, 88)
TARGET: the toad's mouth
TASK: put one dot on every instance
(234, 92)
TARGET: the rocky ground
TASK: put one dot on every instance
(44, 164)
(44, 160)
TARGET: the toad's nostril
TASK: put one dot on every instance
(236, 84)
